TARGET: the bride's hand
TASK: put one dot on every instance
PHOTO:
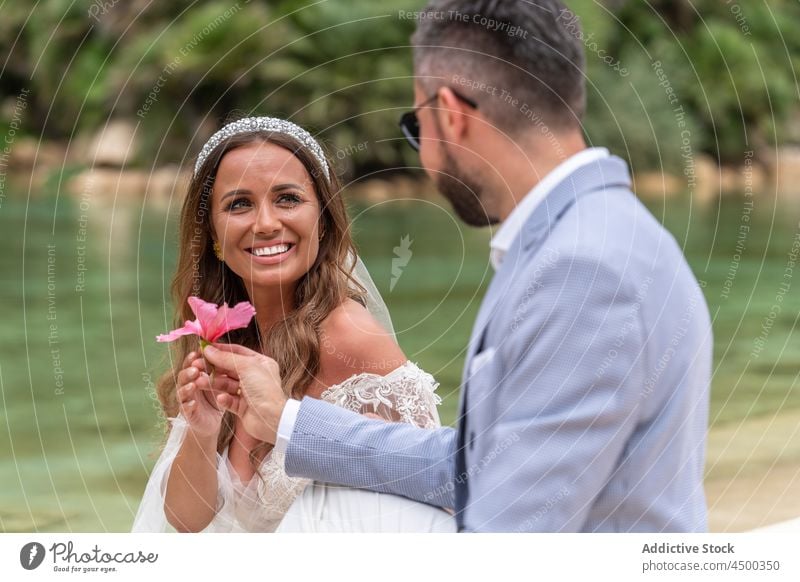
(198, 406)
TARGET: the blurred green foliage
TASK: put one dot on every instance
(343, 69)
(732, 66)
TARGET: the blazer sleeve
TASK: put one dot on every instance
(564, 386)
(334, 445)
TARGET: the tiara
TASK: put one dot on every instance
(249, 124)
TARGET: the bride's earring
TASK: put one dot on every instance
(218, 251)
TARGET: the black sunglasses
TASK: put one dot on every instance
(409, 123)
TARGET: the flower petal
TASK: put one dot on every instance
(212, 322)
(240, 315)
(216, 327)
(206, 313)
(228, 319)
(189, 328)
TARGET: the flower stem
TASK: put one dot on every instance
(209, 365)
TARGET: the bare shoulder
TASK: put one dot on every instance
(353, 342)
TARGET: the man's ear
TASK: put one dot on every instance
(455, 116)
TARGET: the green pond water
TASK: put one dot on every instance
(83, 295)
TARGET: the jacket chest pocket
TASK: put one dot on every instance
(482, 379)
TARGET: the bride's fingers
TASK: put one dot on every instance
(209, 398)
(187, 364)
(192, 398)
(193, 370)
(187, 392)
(188, 359)
(198, 363)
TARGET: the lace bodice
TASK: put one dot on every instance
(407, 394)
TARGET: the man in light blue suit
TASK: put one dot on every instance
(584, 400)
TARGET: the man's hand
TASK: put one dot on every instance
(258, 398)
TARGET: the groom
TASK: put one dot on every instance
(585, 391)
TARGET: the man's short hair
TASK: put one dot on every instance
(522, 61)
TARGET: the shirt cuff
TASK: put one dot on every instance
(286, 425)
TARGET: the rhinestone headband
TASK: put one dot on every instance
(274, 124)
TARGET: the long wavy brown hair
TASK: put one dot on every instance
(294, 341)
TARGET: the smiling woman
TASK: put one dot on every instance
(264, 222)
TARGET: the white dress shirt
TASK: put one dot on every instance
(286, 425)
(501, 242)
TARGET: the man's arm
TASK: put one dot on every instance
(329, 443)
(334, 445)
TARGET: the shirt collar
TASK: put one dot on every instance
(512, 225)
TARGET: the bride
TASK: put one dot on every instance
(264, 222)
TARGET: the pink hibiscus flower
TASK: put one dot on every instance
(212, 321)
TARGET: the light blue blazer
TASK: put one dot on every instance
(584, 402)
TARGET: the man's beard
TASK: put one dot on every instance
(464, 192)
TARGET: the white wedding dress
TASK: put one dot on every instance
(407, 394)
